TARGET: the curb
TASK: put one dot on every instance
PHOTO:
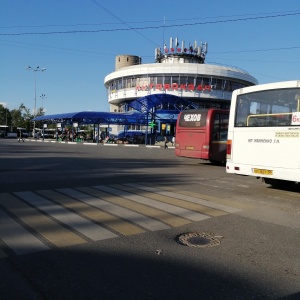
(96, 144)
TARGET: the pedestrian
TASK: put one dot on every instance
(173, 140)
(20, 136)
(166, 141)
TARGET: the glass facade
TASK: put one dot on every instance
(180, 81)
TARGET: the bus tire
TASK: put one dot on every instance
(278, 183)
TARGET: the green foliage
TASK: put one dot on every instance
(5, 116)
(20, 117)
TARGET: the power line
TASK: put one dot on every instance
(150, 27)
(257, 50)
(145, 56)
(145, 37)
(139, 22)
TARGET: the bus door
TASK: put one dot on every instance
(218, 136)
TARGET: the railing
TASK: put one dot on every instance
(263, 120)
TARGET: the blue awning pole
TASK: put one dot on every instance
(146, 130)
(93, 136)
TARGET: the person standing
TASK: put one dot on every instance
(166, 142)
(173, 140)
(20, 136)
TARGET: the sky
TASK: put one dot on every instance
(77, 42)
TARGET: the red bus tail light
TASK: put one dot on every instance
(228, 149)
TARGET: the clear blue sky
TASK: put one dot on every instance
(77, 41)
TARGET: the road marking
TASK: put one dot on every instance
(46, 219)
(172, 201)
(51, 230)
(80, 224)
(188, 214)
(137, 218)
(224, 201)
(187, 198)
(155, 213)
(25, 241)
(108, 220)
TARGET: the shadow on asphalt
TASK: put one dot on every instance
(115, 274)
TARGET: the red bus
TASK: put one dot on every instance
(202, 133)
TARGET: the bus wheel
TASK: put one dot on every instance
(277, 183)
(218, 163)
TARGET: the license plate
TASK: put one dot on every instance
(189, 148)
(263, 171)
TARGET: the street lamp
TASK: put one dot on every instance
(37, 69)
(43, 96)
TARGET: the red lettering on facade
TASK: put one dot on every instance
(191, 87)
(175, 86)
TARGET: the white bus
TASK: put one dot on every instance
(264, 133)
(8, 131)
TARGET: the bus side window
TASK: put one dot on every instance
(216, 130)
(242, 112)
(224, 127)
(220, 130)
(216, 134)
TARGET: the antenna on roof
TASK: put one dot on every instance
(164, 30)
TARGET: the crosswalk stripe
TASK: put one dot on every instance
(187, 198)
(41, 220)
(188, 214)
(51, 230)
(171, 200)
(80, 224)
(155, 213)
(25, 243)
(108, 220)
(137, 218)
(228, 202)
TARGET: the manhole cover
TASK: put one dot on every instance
(194, 239)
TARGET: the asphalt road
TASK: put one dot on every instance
(81, 221)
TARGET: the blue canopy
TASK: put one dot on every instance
(156, 102)
(93, 117)
(156, 106)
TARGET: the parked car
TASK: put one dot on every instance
(132, 136)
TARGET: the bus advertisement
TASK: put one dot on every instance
(264, 133)
(202, 134)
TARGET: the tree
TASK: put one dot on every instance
(17, 120)
(20, 117)
(5, 116)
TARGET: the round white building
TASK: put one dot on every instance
(177, 71)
